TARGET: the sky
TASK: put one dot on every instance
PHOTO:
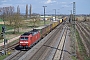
(61, 6)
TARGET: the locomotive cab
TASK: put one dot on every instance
(24, 41)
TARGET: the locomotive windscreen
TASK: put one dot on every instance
(23, 38)
(27, 33)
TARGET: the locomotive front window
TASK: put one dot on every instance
(24, 38)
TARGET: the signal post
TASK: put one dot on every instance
(5, 40)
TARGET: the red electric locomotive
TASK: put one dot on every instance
(29, 38)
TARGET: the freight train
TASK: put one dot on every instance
(28, 39)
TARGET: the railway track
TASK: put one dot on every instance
(86, 26)
(16, 55)
(85, 37)
(86, 31)
(48, 50)
(58, 53)
(10, 48)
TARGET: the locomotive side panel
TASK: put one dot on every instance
(29, 41)
(35, 38)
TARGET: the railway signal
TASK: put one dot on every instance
(5, 40)
(3, 29)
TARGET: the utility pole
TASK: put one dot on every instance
(55, 14)
(71, 17)
(74, 30)
(44, 14)
(74, 12)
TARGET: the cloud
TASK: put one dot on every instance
(65, 6)
(5, 5)
(3, 1)
(66, 3)
(23, 0)
(49, 1)
(63, 2)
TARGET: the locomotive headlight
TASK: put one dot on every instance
(25, 42)
(21, 42)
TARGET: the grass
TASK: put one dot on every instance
(12, 32)
(1, 40)
(46, 22)
(7, 27)
(81, 47)
(13, 42)
(73, 46)
(1, 27)
(74, 58)
(1, 20)
(29, 24)
(3, 57)
(37, 24)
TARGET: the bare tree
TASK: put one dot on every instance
(30, 10)
(26, 10)
(18, 10)
(18, 17)
(11, 17)
(17, 22)
(11, 12)
(7, 13)
(1, 13)
(36, 21)
(4, 14)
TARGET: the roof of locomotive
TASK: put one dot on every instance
(33, 32)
